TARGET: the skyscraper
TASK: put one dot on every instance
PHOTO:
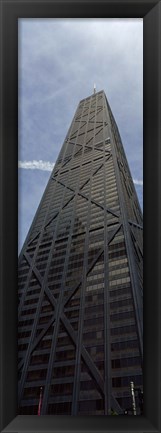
(80, 278)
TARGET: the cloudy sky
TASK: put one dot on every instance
(59, 62)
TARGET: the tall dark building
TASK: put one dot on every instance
(80, 278)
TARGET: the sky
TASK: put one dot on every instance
(60, 60)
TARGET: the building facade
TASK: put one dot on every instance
(80, 334)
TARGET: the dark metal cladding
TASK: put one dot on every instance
(80, 278)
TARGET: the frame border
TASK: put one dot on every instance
(150, 11)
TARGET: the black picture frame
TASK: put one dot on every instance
(150, 11)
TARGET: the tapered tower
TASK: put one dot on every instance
(80, 277)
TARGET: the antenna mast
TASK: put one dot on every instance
(94, 91)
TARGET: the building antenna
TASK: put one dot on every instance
(94, 89)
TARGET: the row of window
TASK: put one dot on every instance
(123, 345)
(128, 329)
(126, 362)
(118, 382)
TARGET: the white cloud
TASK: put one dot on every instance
(36, 165)
(138, 182)
(48, 166)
